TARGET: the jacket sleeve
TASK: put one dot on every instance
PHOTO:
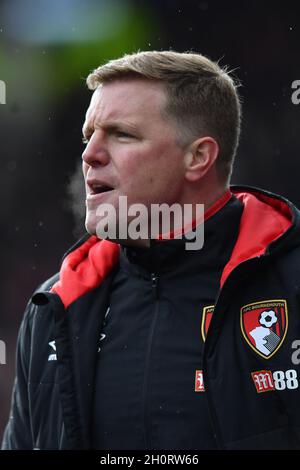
(17, 434)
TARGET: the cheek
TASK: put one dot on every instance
(150, 168)
(159, 180)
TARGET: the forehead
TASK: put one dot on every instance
(132, 99)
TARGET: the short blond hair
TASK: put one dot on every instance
(202, 97)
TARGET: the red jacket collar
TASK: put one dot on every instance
(264, 220)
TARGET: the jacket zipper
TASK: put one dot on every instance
(155, 292)
(154, 280)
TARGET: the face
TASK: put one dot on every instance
(131, 149)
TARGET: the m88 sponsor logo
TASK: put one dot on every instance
(268, 381)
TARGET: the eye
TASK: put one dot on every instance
(85, 140)
(123, 134)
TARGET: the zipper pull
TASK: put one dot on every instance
(155, 279)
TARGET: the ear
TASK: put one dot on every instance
(200, 157)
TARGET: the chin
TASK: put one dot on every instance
(90, 225)
(90, 230)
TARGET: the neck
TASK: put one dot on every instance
(206, 193)
(212, 202)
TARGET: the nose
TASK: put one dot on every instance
(95, 153)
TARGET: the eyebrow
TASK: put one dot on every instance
(109, 126)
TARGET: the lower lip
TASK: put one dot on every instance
(98, 196)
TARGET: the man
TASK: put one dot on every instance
(141, 343)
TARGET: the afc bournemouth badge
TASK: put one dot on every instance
(206, 319)
(264, 326)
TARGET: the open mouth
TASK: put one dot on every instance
(99, 189)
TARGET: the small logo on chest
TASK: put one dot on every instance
(199, 383)
(52, 356)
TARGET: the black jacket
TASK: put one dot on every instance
(250, 362)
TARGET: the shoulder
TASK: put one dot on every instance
(32, 310)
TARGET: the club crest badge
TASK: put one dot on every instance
(206, 319)
(264, 326)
